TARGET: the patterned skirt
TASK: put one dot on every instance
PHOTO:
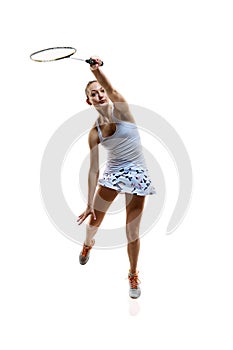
(131, 179)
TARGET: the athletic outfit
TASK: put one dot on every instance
(126, 169)
(125, 172)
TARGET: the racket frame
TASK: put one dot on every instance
(89, 61)
(53, 48)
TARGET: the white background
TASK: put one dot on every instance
(174, 57)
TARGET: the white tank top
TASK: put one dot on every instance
(123, 147)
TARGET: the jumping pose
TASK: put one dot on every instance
(125, 172)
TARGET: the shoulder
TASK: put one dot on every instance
(122, 111)
(93, 137)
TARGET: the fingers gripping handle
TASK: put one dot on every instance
(92, 62)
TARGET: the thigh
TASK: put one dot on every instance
(103, 199)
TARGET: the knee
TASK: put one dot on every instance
(132, 233)
(99, 218)
(94, 223)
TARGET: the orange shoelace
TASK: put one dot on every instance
(134, 281)
(85, 250)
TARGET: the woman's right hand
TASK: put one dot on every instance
(89, 211)
(98, 63)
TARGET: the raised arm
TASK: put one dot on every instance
(119, 102)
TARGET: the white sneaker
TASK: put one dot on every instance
(134, 289)
(85, 253)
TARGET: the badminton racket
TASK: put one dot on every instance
(58, 53)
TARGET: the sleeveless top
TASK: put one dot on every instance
(123, 147)
(126, 169)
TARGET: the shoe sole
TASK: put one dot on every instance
(132, 297)
(83, 262)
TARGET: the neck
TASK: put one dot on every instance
(105, 114)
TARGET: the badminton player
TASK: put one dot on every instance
(125, 173)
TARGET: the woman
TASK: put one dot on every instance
(126, 171)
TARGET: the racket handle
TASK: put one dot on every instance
(92, 62)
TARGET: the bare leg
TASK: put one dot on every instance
(134, 209)
(102, 201)
(133, 252)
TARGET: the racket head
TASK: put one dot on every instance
(53, 54)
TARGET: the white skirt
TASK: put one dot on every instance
(131, 179)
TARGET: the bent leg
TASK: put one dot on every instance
(102, 201)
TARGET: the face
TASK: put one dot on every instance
(97, 95)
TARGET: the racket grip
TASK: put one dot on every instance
(92, 62)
